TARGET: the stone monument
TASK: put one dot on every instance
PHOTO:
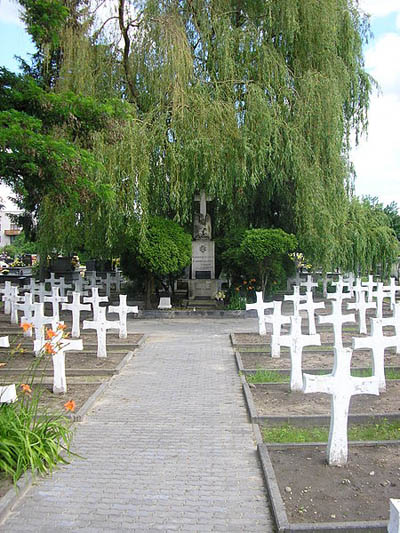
(202, 284)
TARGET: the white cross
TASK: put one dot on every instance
(379, 296)
(79, 286)
(92, 278)
(337, 319)
(358, 289)
(123, 310)
(55, 299)
(296, 341)
(38, 322)
(349, 283)
(392, 289)
(95, 300)
(63, 286)
(117, 280)
(342, 386)
(277, 320)
(27, 309)
(370, 284)
(41, 292)
(8, 394)
(377, 342)
(325, 286)
(394, 321)
(33, 286)
(296, 298)
(260, 307)
(309, 284)
(14, 299)
(361, 306)
(101, 325)
(394, 519)
(107, 283)
(339, 284)
(310, 306)
(76, 307)
(60, 346)
(6, 297)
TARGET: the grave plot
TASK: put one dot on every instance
(83, 362)
(305, 437)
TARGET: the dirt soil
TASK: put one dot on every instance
(315, 359)
(315, 492)
(278, 400)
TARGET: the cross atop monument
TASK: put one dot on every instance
(203, 198)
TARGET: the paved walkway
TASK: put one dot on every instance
(167, 448)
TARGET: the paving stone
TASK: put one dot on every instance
(167, 447)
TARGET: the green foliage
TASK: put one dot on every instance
(392, 212)
(31, 441)
(382, 431)
(267, 376)
(166, 249)
(44, 18)
(368, 242)
(265, 248)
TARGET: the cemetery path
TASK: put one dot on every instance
(167, 448)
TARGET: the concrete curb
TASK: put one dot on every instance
(286, 371)
(166, 314)
(13, 495)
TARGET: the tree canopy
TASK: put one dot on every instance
(252, 100)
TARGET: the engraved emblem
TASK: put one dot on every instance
(203, 248)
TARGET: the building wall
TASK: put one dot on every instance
(7, 224)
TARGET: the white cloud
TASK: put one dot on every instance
(380, 8)
(377, 158)
(398, 21)
(381, 61)
(9, 12)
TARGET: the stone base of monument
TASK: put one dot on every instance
(203, 289)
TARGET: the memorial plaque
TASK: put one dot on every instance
(203, 259)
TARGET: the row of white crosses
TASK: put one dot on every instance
(340, 384)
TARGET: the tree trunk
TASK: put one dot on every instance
(148, 290)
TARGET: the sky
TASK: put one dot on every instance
(377, 158)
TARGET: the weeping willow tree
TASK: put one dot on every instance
(252, 100)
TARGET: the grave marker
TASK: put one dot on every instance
(341, 385)
(337, 319)
(260, 306)
(394, 519)
(123, 310)
(55, 299)
(38, 321)
(309, 306)
(296, 341)
(277, 319)
(370, 284)
(14, 299)
(296, 298)
(379, 296)
(358, 289)
(101, 325)
(76, 307)
(309, 284)
(95, 300)
(394, 321)
(377, 342)
(59, 346)
(6, 292)
(27, 311)
(361, 306)
(165, 303)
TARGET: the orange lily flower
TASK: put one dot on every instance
(26, 388)
(61, 326)
(26, 326)
(50, 333)
(48, 348)
(70, 406)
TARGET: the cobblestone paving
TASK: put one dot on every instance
(167, 448)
